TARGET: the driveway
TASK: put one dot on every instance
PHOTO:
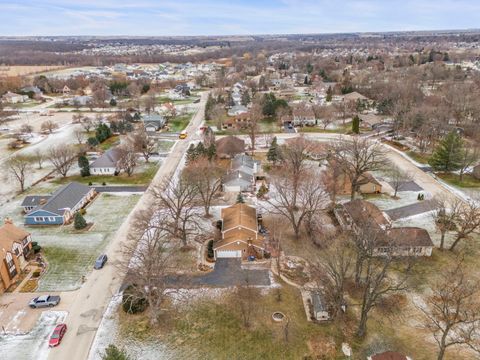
(120, 189)
(407, 186)
(227, 272)
(411, 210)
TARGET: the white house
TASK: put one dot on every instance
(13, 98)
(106, 164)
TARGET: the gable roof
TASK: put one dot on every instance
(241, 235)
(230, 145)
(406, 236)
(64, 198)
(9, 233)
(241, 160)
(35, 200)
(107, 159)
(238, 177)
(239, 215)
(365, 213)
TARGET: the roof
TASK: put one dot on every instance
(35, 200)
(153, 118)
(238, 176)
(65, 198)
(243, 160)
(109, 159)
(318, 302)
(243, 235)
(389, 355)
(9, 233)
(239, 215)
(367, 178)
(353, 96)
(230, 145)
(365, 213)
(407, 236)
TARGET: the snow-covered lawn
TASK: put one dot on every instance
(386, 202)
(34, 345)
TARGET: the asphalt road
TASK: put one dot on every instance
(90, 301)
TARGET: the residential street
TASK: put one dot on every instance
(90, 302)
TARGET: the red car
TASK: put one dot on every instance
(57, 335)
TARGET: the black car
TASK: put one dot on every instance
(100, 262)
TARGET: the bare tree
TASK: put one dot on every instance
(452, 312)
(26, 129)
(87, 123)
(470, 156)
(246, 299)
(149, 103)
(148, 261)
(48, 126)
(177, 199)
(38, 157)
(127, 158)
(207, 178)
(19, 167)
(356, 157)
(62, 158)
(332, 271)
(256, 115)
(398, 179)
(80, 136)
(296, 202)
(143, 144)
(445, 216)
(467, 221)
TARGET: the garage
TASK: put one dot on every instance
(228, 254)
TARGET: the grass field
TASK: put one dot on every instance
(468, 180)
(179, 123)
(419, 157)
(20, 70)
(110, 142)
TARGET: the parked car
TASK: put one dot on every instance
(100, 262)
(44, 301)
(57, 335)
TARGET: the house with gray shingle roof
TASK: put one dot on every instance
(107, 163)
(153, 122)
(59, 208)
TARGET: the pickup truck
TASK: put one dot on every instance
(44, 301)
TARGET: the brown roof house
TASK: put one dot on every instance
(15, 246)
(389, 355)
(396, 241)
(239, 235)
(229, 146)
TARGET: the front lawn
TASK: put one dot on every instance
(419, 157)
(179, 123)
(110, 142)
(454, 179)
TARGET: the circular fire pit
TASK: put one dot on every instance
(278, 316)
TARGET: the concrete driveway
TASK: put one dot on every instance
(227, 272)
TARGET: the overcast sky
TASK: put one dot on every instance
(215, 17)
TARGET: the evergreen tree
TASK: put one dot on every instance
(200, 150)
(329, 94)
(245, 98)
(448, 154)
(211, 151)
(262, 191)
(240, 199)
(356, 125)
(84, 166)
(114, 353)
(208, 106)
(191, 153)
(273, 152)
(79, 221)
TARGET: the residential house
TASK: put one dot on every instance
(32, 201)
(229, 146)
(237, 110)
(35, 90)
(107, 163)
(303, 116)
(357, 215)
(80, 100)
(388, 355)
(61, 205)
(13, 98)
(242, 175)
(153, 122)
(367, 184)
(239, 235)
(66, 90)
(15, 246)
(313, 149)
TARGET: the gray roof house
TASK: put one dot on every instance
(107, 163)
(32, 201)
(60, 207)
(153, 122)
(238, 181)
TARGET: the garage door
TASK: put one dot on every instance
(229, 254)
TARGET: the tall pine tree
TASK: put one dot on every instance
(356, 125)
(273, 152)
(448, 154)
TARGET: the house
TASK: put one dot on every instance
(303, 116)
(61, 205)
(15, 246)
(388, 355)
(242, 175)
(367, 184)
(313, 149)
(229, 146)
(35, 90)
(319, 306)
(66, 90)
(153, 122)
(395, 241)
(13, 98)
(107, 163)
(239, 234)
(80, 100)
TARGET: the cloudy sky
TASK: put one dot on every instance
(215, 17)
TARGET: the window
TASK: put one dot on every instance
(39, 219)
(51, 218)
(12, 270)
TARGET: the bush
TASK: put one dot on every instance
(210, 249)
(79, 221)
(36, 274)
(82, 211)
(132, 302)
(114, 353)
(104, 183)
(90, 183)
(36, 248)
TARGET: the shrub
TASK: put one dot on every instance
(104, 183)
(36, 249)
(210, 249)
(79, 221)
(82, 211)
(114, 353)
(132, 302)
(36, 274)
(90, 183)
